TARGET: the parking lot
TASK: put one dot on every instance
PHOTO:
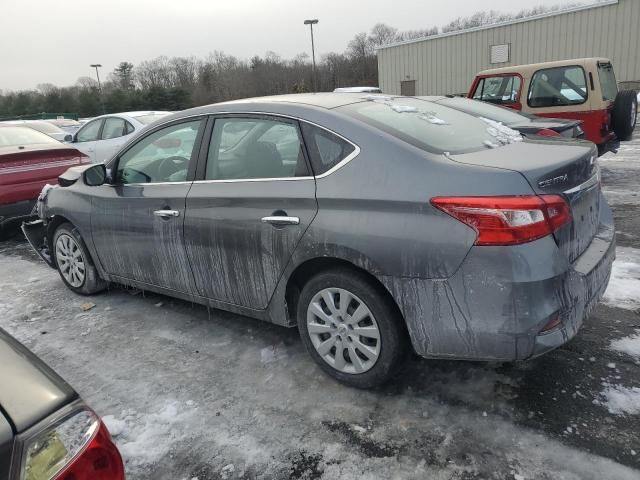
(194, 393)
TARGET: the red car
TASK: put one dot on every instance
(29, 160)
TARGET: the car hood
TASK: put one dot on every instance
(550, 123)
(30, 390)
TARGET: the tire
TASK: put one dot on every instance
(625, 114)
(69, 250)
(354, 289)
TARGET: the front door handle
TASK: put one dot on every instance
(281, 220)
(166, 213)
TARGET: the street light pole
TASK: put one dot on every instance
(311, 23)
(96, 66)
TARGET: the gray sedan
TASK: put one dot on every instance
(376, 225)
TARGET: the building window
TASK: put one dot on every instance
(500, 53)
(408, 88)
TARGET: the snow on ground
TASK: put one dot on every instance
(624, 287)
(620, 400)
(628, 345)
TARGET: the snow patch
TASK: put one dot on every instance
(143, 439)
(620, 400)
(624, 287)
(629, 345)
(273, 353)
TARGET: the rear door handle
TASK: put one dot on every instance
(281, 220)
(166, 213)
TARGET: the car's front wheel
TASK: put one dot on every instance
(351, 328)
(74, 263)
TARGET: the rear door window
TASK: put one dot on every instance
(113, 128)
(253, 148)
(503, 89)
(558, 87)
(326, 150)
(608, 82)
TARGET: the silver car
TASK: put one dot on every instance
(376, 225)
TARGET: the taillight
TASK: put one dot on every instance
(508, 220)
(78, 447)
(547, 132)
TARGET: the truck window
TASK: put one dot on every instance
(558, 87)
(608, 82)
(502, 89)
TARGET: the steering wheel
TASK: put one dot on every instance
(170, 165)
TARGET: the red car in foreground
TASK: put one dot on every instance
(29, 160)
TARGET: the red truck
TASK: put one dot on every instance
(28, 161)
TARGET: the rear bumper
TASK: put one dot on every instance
(501, 298)
(15, 211)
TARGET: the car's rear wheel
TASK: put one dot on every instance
(351, 328)
(625, 114)
(74, 263)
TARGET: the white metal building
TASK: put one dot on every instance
(447, 63)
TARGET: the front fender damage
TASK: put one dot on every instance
(36, 230)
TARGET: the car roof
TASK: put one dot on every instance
(529, 68)
(326, 100)
(140, 113)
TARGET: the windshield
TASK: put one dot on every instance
(150, 118)
(431, 126)
(14, 136)
(608, 82)
(482, 109)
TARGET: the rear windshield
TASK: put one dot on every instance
(15, 136)
(152, 117)
(608, 82)
(482, 109)
(430, 126)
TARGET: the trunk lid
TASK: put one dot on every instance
(30, 390)
(555, 167)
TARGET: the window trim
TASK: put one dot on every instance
(586, 86)
(194, 161)
(229, 114)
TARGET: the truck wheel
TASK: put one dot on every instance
(625, 112)
(350, 328)
(74, 263)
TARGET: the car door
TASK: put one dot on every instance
(249, 210)
(137, 220)
(85, 139)
(114, 135)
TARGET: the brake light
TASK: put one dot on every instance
(547, 132)
(77, 448)
(509, 220)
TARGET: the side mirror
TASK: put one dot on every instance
(68, 138)
(95, 175)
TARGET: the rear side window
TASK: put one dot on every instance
(558, 87)
(501, 89)
(326, 150)
(430, 126)
(608, 82)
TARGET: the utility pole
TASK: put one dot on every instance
(96, 66)
(311, 23)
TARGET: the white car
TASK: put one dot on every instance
(41, 126)
(102, 136)
(358, 90)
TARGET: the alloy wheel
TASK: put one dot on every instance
(70, 260)
(343, 330)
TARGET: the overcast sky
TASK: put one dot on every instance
(54, 41)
